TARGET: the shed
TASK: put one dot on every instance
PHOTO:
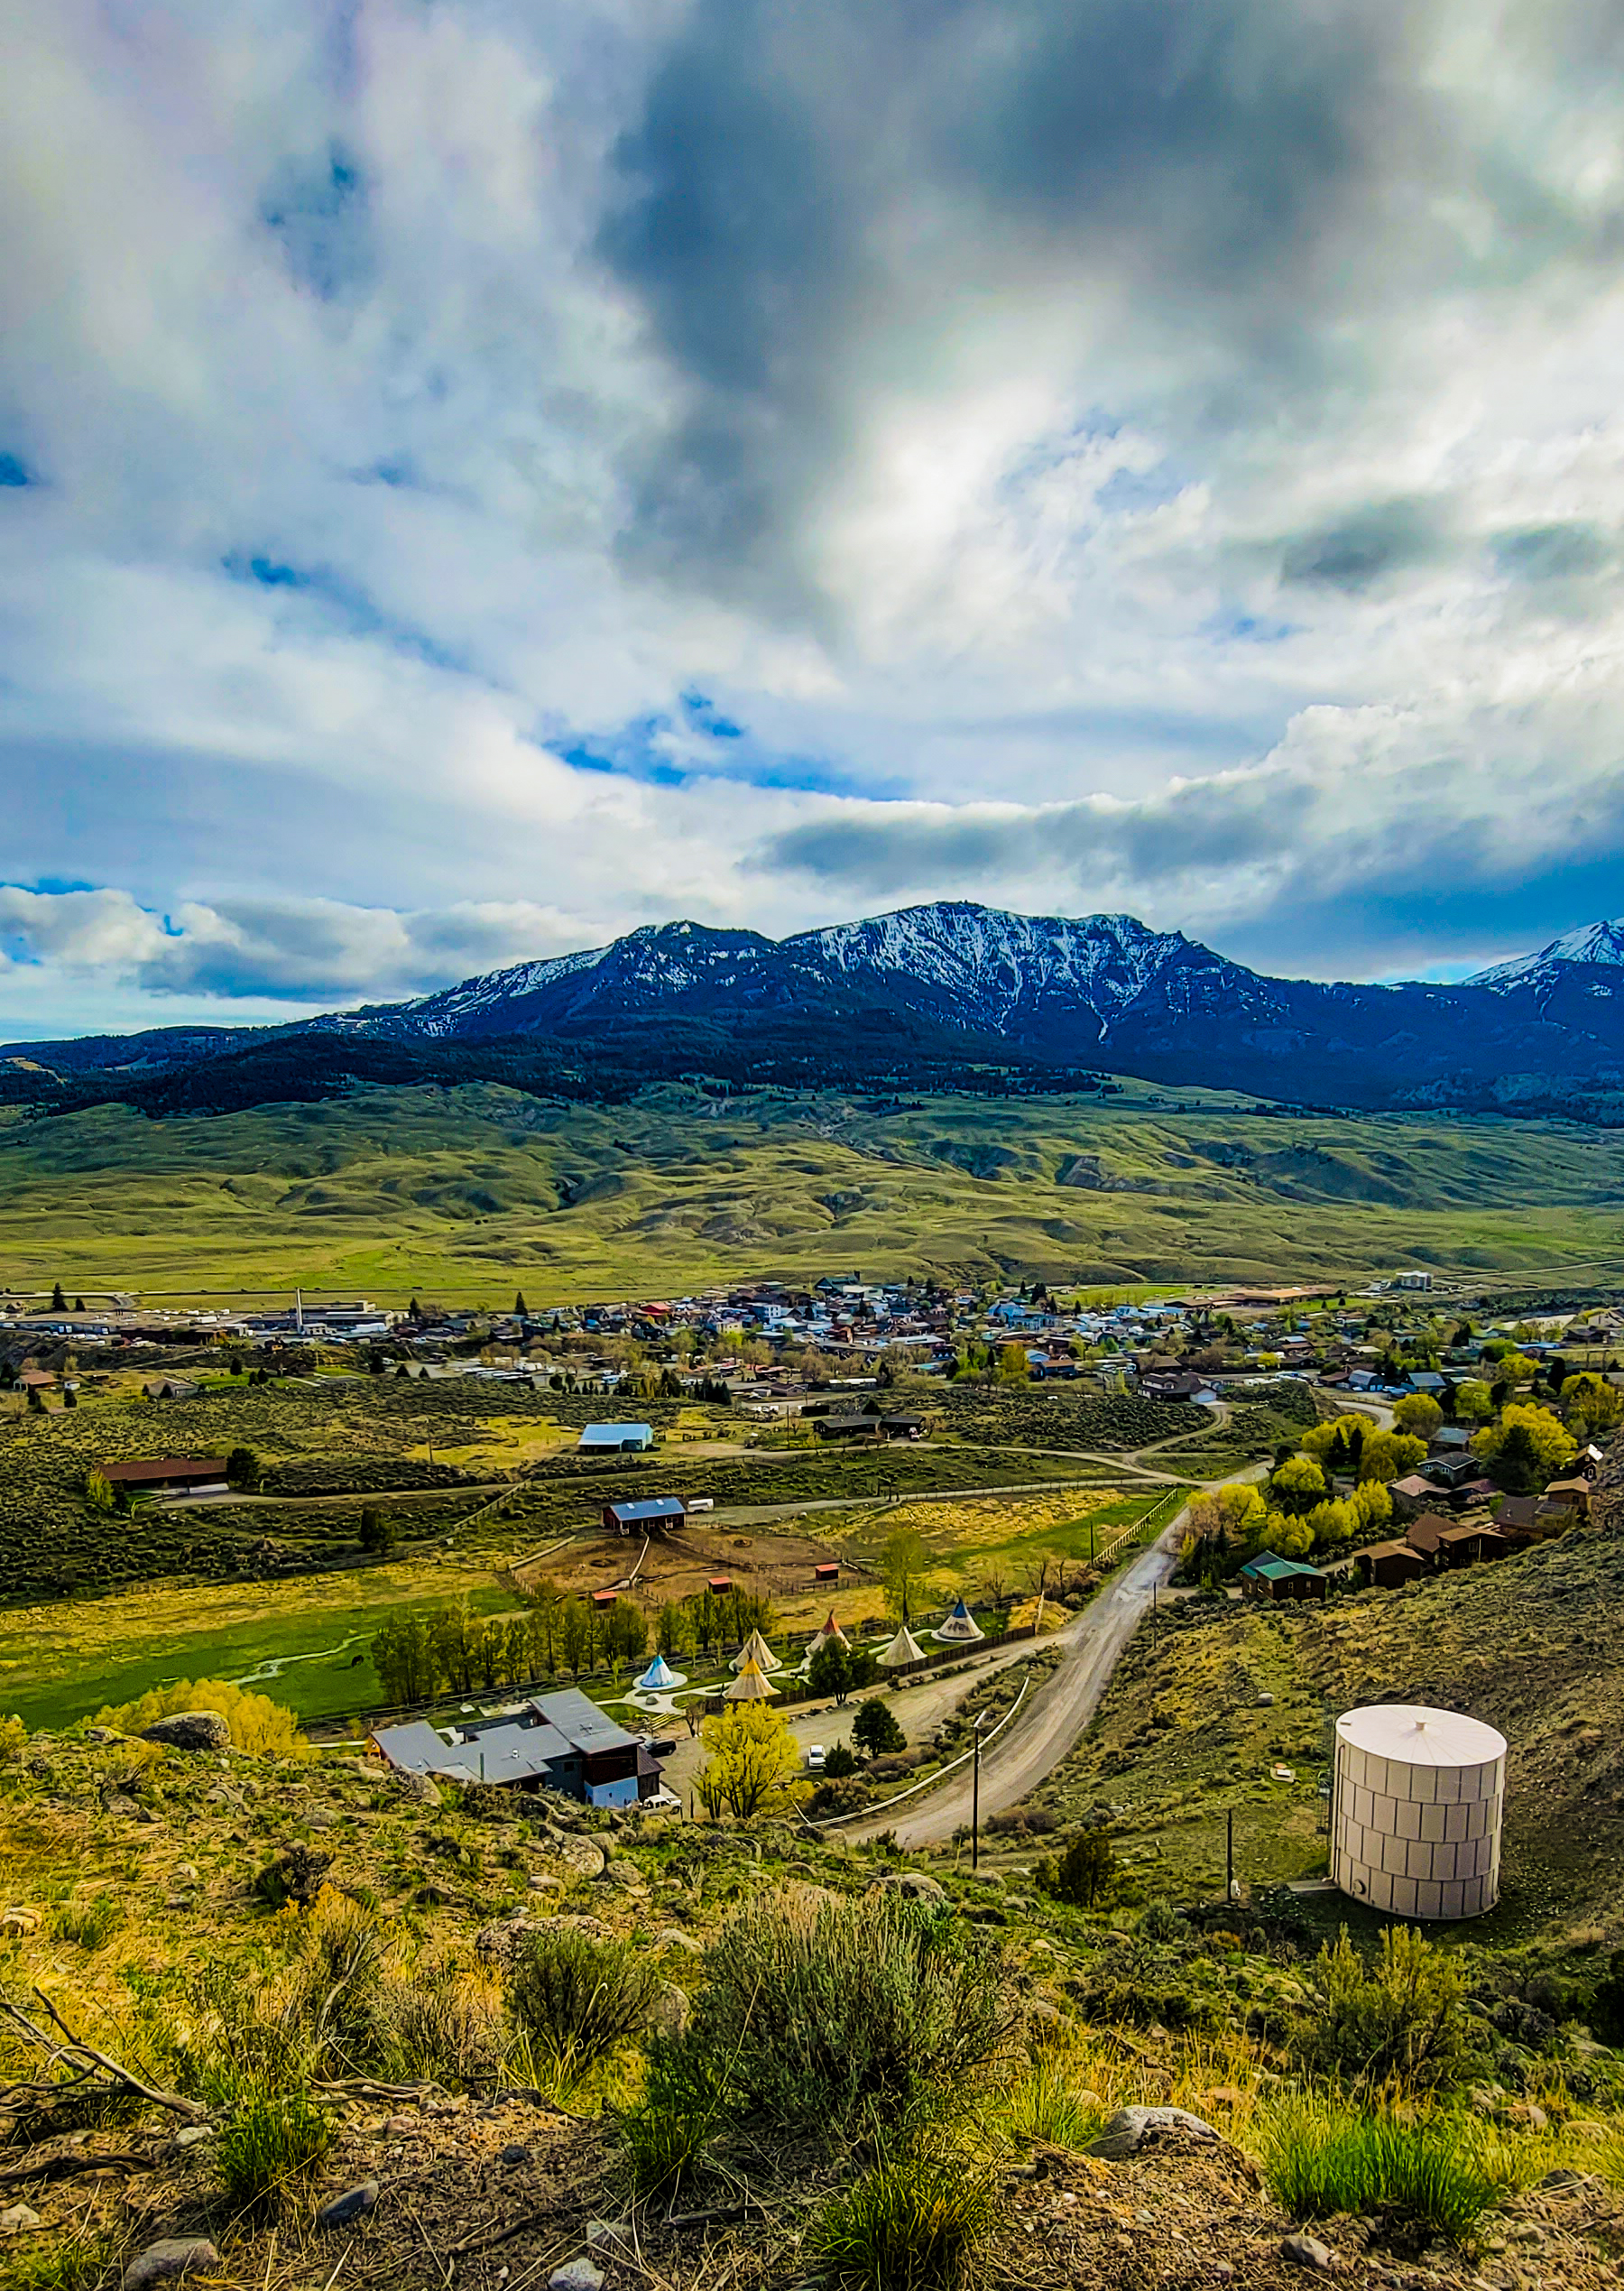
(718, 1583)
(604, 1598)
(826, 1571)
(170, 1476)
(651, 1515)
(625, 1438)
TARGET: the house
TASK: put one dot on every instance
(651, 1515)
(1425, 1534)
(169, 1476)
(1412, 1495)
(1449, 1439)
(1573, 1494)
(1390, 1565)
(560, 1742)
(1471, 1540)
(1269, 1576)
(627, 1440)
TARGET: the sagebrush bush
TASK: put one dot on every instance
(91, 1924)
(1322, 2157)
(1397, 2016)
(820, 2018)
(270, 2146)
(577, 1999)
(909, 2223)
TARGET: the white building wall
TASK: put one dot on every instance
(1417, 1841)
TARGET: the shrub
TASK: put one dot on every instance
(841, 1762)
(909, 2223)
(1084, 1873)
(663, 2139)
(275, 2141)
(92, 1924)
(1400, 2016)
(819, 2018)
(1048, 2105)
(260, 1727)
(577, 1999)
(1322, 2157)
(80, 2262)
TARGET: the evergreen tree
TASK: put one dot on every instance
(519, 1308)
(830, 1671)
(875, 1729)
(59, 1303)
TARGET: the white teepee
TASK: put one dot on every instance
(756, 1650)
(659, 1679)
(960, 1626)
(904, 1649)
(831, 1630)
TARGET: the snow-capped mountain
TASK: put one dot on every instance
(1594, 946)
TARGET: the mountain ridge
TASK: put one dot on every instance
(911, 995)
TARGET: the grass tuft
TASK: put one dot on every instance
(273, 2142)
(1322, 2156)
(909, 2223)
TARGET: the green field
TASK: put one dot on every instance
(466, 1194)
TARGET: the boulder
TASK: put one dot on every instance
(577, 2275)
(566, 1854)
(189, 1730)
(18, 2219)
(15, 1923)
(671, 2011)
(176, 2255)
(419, 1788)
(506, 1942)
(1131, 2128)
(672, 1936)
(913, 1885)
(1304, 2251)
(355, 2204)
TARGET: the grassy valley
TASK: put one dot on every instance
(464, 1192)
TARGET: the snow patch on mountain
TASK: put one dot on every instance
(1599, 944)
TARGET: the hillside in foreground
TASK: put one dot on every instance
(471, 1192)
(505, 2038)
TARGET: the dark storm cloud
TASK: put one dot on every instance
(810, 195)
(1551, 552)
(1359, 551)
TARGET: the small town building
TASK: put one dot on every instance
(170, 1476)
(1390, 1565)
(625, 1439)
(1269, 1576)
(562, 1741)
(651, 1515)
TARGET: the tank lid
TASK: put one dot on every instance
(1416, 1736)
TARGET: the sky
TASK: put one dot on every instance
(476, 476)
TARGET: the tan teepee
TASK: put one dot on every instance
(756, 1650)
(831, 1630)
(750, 1686)
(904, 1649)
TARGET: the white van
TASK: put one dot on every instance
(816, 1755)
(702, 1503)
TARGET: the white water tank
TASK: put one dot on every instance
(1416, 1818)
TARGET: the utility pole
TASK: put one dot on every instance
(975, 1795)
(1229, 1855)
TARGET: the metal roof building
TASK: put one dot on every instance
(623, 1438)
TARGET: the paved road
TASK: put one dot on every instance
(1056, 1713)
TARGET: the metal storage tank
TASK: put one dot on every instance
(1416, 1820)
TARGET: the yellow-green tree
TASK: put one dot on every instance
(1418, 1414)
(753, 1766)
(1474, 1402)
(261, 1728)
(1298, 1484)
(1552, 1445)
(1591, 1405)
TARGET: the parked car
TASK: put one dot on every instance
(815, 1754)
(662, 1802)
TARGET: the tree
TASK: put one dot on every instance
(78, 1304)
(875, 1729)
(1298, 1484)
(830, 1671)
(59, 1303)
(755, 1761)
(1418, 1414)
(840, 1763)
(1591, 1405)
(98, 1491)
(379, 1532)
(243, 1469)
(258, 1726)
(1540, 1445)
(903, 1566)
(1013, 1365)
(1474, 1402)
(403, 1659)
(521, 1310)
(69, 1396)
(573, 1635)
(1086, 1868)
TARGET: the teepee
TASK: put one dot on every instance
(659, 1679)
(749, 1686)
(904, 1649)
(961, 1625)
(831, 1630)
(756, 1650)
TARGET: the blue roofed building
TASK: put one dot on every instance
(652, 1515)
(624, 1440)
(562, 1741)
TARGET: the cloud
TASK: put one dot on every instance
(305, 951)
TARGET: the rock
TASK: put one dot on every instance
(609, 2235)
(419, 1789)
(320, 1820)
(177, 2255)
(672, 1936)
(1305, 2250)
(123, 1809)
(355, 2204)
(513, 2155)
(539, 1884)
(579, 2274)
(18, 2219)
(670, 2011)
(913, 1885)
(188, 1873)
(621, 1873)
(15, 1923)
(566, 1854)
(1131, 2128)
(397, 2127)
(192, 2136)
(506, 1942)
(189, 1730)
